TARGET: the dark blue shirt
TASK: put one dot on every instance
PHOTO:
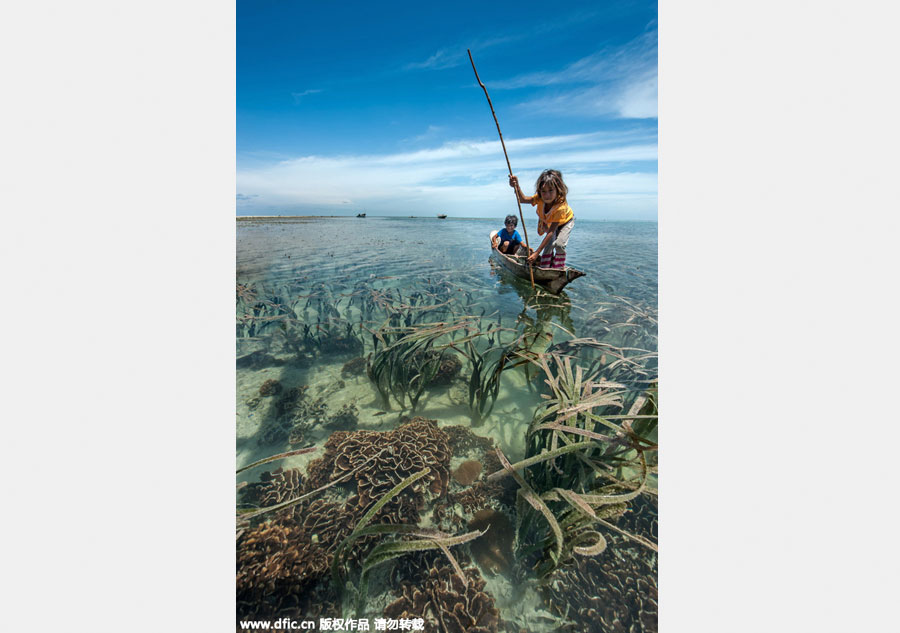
(505, 236)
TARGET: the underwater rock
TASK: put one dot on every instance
(258, 360)
(273, 430)
(446, 604)
(270, 387)
(340, 344)
(462, 440)
(279, 422)
(314, 412)
(355, 367)
(297, 434)
(347, 417)
(493, 550)
(289, 401)
(467, 472)
(273, 488)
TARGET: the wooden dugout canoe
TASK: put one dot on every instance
(553, 279)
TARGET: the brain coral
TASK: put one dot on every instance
(379, 460)
(273, 488)
(276, 563)
(282, 561)
(446, 604)
(615, 591)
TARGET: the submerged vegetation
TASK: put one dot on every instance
(528, 501)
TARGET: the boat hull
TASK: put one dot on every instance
(553, 279)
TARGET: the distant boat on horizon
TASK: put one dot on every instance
(360, 215)
(442, 215)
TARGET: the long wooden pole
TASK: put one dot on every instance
(508, 166)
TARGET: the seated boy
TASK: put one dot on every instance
(508, 239)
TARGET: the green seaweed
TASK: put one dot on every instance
(386, 551)
(581, 468)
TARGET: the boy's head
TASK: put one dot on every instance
(510, 222)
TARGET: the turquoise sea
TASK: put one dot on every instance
(405, 369)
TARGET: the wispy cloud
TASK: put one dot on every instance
(452, 56)
(620, 81)
(433, 133)
(444, 58)
(603, 171)
(299, 95)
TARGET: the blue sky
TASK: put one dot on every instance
(365, 106)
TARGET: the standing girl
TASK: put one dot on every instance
(555, 217)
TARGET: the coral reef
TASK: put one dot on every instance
(327, 524)
(445, 517)
(448, 370)
(305, 415)
(642, 517)
(270, 387)
(477, 497)
(286, 404)
(467, 472)
(415, 445)
(615, 591)
(276, 563)
(273, 488)
(446, 604)
(493, 550)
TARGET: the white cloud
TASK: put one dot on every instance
(464, 178)
(619, 81)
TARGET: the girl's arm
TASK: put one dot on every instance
(549, 236)
(514, 183)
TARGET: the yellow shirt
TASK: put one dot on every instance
(561, 213)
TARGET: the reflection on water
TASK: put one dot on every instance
(394, 350)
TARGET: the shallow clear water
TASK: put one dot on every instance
(314, 294)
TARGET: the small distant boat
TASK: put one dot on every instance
(360, 215)
(442, 215)
(553, 279)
